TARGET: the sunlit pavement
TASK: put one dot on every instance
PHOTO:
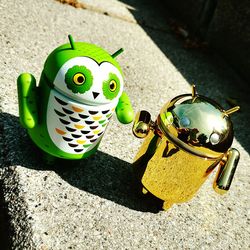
(93, 204)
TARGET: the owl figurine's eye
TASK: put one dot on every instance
(111, 87)
(79, 79)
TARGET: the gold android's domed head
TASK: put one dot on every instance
(197, 124)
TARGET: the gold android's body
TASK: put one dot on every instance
(182, 147)
(172, 174)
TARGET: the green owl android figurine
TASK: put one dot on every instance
(81, 86)
(190, 137)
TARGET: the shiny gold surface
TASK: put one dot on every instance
(141, 129)
(232, 110)
(193, 91)
(191, 136)
(171, 133)
(226, 171)
(142, 124)
(172, 175)
(198, 126)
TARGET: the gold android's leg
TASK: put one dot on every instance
(144, 190)
(166, 205)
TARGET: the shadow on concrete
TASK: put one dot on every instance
(202, 67)
(102, 174)
(4, 223)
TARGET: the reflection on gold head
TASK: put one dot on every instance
(198, 125)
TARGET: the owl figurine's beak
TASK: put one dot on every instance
(95, 94)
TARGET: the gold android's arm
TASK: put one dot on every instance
(226, 171)
(142, 124)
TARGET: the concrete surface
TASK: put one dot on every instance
(189, 12)
(223, 24)
(93, 204)
(229, 33)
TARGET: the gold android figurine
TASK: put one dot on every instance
(190, 137)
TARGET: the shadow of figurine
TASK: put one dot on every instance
(203, 67)
(101, 174)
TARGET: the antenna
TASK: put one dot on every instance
(72, 43)
(118, 52)
(232, 110)
(193, 91)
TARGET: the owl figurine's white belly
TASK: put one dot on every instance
(74, 127)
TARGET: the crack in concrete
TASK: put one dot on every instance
(73, 3)
(76, 4)
(18, 231)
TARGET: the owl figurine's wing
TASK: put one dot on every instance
(124, 110)
(26, 86)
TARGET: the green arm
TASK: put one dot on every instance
(26, 87)
(124, 110)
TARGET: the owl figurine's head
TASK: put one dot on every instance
(85, 73)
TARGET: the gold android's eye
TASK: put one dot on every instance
(79, 78)
(112, 85)
(214, 138)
